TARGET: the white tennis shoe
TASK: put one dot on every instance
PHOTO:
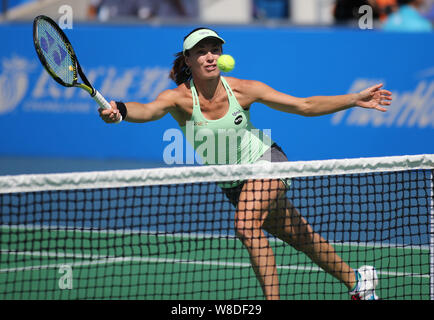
(367, 280)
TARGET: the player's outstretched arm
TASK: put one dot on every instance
(141, 112)
(372, 98)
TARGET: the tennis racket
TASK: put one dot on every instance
(57, 56)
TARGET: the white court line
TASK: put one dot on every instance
(193, 235)
(108, 260)
(112, 259)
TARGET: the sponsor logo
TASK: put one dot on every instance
(201, 123)
(238, 119)
(412, 108)
(26, 86)
(14, 82)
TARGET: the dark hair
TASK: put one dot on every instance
(180, 72)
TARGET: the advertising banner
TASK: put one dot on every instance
(38, 117)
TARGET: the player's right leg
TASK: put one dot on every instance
(367, 280)
(286, 223)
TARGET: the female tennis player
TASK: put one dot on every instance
(214, 102)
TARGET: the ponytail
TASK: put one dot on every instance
(180, 72)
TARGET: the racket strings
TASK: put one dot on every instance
(56, 53)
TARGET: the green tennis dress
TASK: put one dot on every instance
(231, 139)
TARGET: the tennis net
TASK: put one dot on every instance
(171, 233)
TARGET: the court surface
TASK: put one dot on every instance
(128, 264)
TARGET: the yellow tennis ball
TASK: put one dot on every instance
(225, 63)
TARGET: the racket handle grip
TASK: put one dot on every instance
(102, 102)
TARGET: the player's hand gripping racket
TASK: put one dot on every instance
(57, 56)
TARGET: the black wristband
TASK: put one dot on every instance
(122, 109)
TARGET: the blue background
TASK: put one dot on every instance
(51, 122)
